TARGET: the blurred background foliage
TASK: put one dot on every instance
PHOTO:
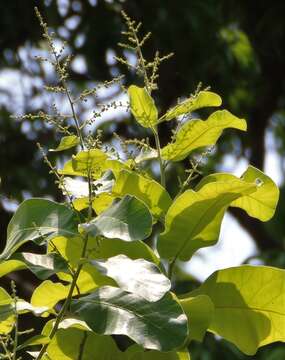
(236, 47)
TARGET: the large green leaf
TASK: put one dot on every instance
(199, 311)
(137, 276)
(74, 343)
(38, 220)
(149, 191)
(194, 219)
(160, 325)
(67, 142)
(71, 249)
(262, 203)
(249, 305)
(43, 266)
(195, 134)
(142, 106)
(203, 99)
(129, 219)
(136, 352)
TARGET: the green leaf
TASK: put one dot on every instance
(128, 219)
(73, 343)
(195, 134)
(137, 276)
(43, 266)
(249, 305)
(8, 266)
(147, 190)
(142, 106)
(35, 340)
(136, 352)
(199, 311)
(262, 203)
(89, 161)
(67, 142)
(7, 316)
(194, 219)
(38, 220)
(160, 325)
(48, 294)
(203, 99)
(71, 249)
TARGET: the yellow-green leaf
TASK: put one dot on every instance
(89, 161)
(249, 305)
(203, 99)
(142, 106)
(71, 248)
(136, 352)
(69, 343)
(262, 203)
(195, 134)
(7, 317)
(194, 219)
(147, 190)
(199, 311)
(67, 142)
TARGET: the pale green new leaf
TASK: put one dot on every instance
(35, 340)
(129, 219)
(136, 352)
(203, 99)
(262, 203)
(249, 305)
(160, 325)
(137, 276)
(199, 311)
(194, 219)
(142, 106)
(67, 142)
(195, 134)
(38, 220)
(73, 343)
(147, 190)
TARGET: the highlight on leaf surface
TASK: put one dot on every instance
(142, 106)
(194, 219)
(249, 306)
(138, 276)
(195, 134)
(128, 219)
(38, 220)
(203, 99)
(160, 325)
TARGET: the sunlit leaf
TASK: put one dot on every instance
(203, 99)
(199, 311)
(262, 203)
(138, 276)
(128, 219)
(160, 325)
(67, 142)
(89, 161)
(249, 305)
(142, 106)
(35, 340)
(7, 316)
(194, 219)
(136, 352)
(38, 220)
(195, 134)
(71, 249)
(73, 343)
(43, 266)
(147, 190)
